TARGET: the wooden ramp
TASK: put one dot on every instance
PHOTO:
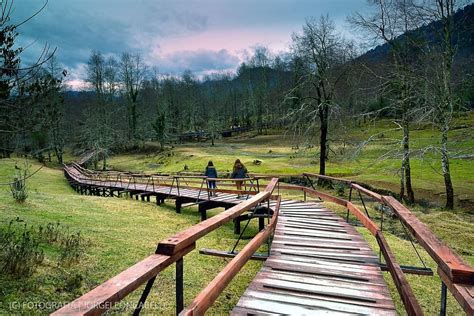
(318, 264)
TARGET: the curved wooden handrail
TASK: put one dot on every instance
(103, 297)
(184, 238)
(208, 296)
(169, 251)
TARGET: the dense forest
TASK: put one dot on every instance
(420, 72)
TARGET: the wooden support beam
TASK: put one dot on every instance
(410, 270)
(226, 254)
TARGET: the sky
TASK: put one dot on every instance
(204, 36)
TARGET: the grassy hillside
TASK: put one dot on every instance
(120, 232)
(376, 163)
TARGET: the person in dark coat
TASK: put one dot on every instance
(211, 172)
(239, 172)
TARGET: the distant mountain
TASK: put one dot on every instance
(463, 38)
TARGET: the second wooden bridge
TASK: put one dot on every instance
(318, 262)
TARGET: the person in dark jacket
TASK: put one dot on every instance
(211, 172)
(239, 172)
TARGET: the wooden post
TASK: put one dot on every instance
(179, 286)
(202, 210)
(236, 226)
(442, 310)
(179, 202)
(261, 223)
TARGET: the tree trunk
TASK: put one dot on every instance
(134, 119)
(323, 116)
(406, 169)
(104, 163)
(59, 155)
(445, 167)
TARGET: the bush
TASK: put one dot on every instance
(18, 186)
(71, 248)
(340, 189)
(51, 233)
(19, 190)
(20, 250)
(21, 246)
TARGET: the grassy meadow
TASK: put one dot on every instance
(376, 163)
(120, 232)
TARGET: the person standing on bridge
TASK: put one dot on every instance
(239, 172)
(211, 172)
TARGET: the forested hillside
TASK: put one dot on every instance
(421, 73)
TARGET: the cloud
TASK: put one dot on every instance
(173, 35)
(198, 61)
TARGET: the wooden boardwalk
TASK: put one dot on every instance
(146, 189)
(318, 264)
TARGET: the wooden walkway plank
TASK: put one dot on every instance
(318, 264)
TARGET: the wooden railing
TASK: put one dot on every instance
(456, 275)
(169, 251)
(251, 185)
(212, 291)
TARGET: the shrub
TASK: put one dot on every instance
(19, 190)
(71, 248)
(73, 282)
(20, 251)
(51, 233)
(340, 189)
(18, 186)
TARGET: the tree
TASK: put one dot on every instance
(443, 51)
(214, 128)
(325, 55)
(51, 107)
(392, 22)
(13, 79)
(132, 72)
(98, 132)
(159, 126)
(260, 61)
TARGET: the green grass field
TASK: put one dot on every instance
(121, 231)
(377, 163)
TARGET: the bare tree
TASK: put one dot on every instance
(132, 72)
(98, 132)
(442, 52)
(401, 82)
(323, 56)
